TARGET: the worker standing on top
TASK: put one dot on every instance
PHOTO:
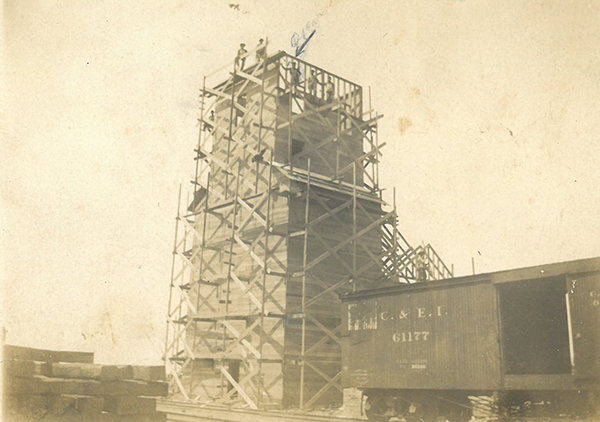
(240, 59)
(329, 89)
(311, 83)
(295, 75)
(261, 50)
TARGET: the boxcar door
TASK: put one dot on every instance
(583, 294)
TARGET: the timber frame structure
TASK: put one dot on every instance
(285, 214)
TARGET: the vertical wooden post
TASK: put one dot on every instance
(395, 238)
(232, 240)
(304, 261)
(182, 280)
(264, 285)
(376, 163)
(290, 115)
(200, 269)
(260, 117)
(230, 263)
(374, 158)
(198, 167)
(167, 362)
(230, 135)
(354, 226)
(337, 143)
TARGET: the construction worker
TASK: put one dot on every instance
(240, 59)
(295, 74)
(421, 264)
(311, 82)
(261, 50)
(211, 118)
(329, 89)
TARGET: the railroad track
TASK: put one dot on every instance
(188, 412)
(178, 411)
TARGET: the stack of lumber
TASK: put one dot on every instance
(46, 385)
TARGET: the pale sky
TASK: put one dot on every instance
(491, 123)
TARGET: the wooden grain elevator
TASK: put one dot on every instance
(285, 213)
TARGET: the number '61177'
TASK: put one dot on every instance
(408, 336)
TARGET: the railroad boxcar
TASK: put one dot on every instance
(526, 337)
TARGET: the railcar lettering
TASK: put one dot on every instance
(419, 312)
(362, 317)
(410, 336)
(360, 377)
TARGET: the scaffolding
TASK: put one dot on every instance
(285, 214)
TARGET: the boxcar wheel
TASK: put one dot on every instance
(514, 404)
(459, 414)
(459, 410)
(375, 409)
(426, 411)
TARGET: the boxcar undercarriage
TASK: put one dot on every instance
(383, 405)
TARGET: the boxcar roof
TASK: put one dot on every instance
(528, 273)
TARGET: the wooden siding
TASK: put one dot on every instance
(444, 338)
(314, 129)
(228, 306)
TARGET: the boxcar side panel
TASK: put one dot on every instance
(442, 337)
(584, 303)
